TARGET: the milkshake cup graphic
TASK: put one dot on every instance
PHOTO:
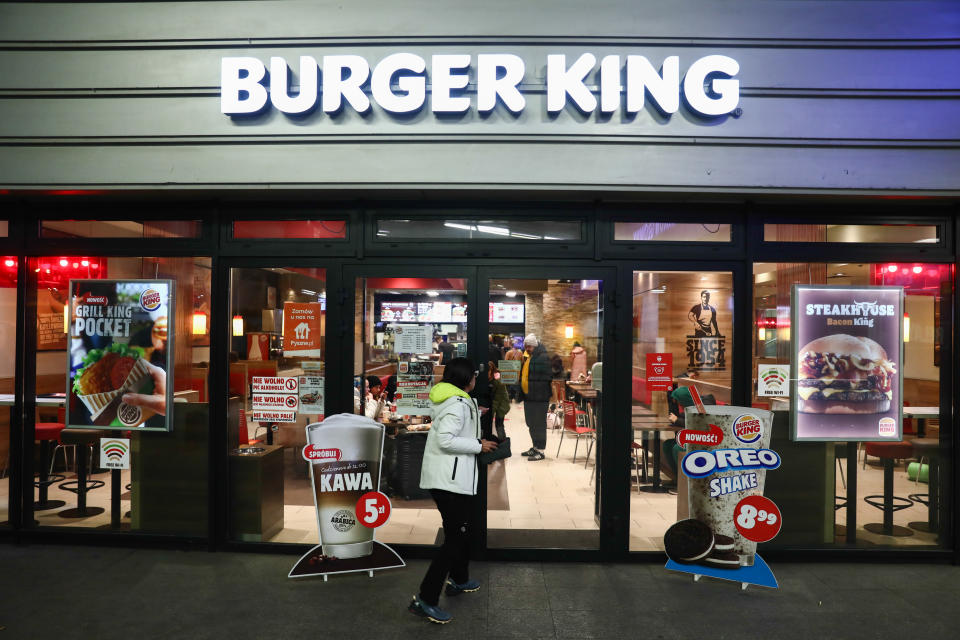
(740, 460)
(344, 453)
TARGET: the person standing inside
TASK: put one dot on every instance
(500, 402)
(535, 379)
(447, 350)
(578, 363)
(450, 473)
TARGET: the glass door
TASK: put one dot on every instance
(543, 348)
(682, 337)
(409, 323)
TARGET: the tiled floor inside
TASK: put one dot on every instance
(553, 494)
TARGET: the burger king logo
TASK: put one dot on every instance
(150, 300)
(747, 428)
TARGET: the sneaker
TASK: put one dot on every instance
(454, 589)
(536, 455)
(529, 452)
(434, 614)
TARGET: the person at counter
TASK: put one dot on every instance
(447, 351)
(513, 353)
(535, 379)
(450, 472)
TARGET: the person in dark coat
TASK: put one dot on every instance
(535, 384)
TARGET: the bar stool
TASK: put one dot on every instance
(888, 503)
(47, 433)
(928, 449)
(83, 438)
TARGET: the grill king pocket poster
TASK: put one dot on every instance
(847, 363)
(120, 354)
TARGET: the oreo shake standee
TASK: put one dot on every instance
(723, 473)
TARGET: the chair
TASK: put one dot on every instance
(47, 433)
(59, 425)
(888, 503)
(574, 424)
(927, 449)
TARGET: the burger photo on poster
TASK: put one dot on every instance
(844, 374)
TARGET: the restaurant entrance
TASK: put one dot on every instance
(539, 347)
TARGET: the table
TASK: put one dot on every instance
(44, 400)
(656, 425)
(922, 414)
(583, 389)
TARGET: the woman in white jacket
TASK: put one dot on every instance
(450, 473)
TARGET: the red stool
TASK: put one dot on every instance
(888, 452)
(46, 433)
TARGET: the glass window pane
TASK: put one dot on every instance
(289, 229)
(686, 318)
(858, 233)
(817, 523)
(8, 338)
(4, 228)
(168, 471)
(671, 232)
(479, 230)
(119, 229)
(278, 329)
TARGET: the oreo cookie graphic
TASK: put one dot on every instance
(688, 541)
(722, 560)
(722, 542)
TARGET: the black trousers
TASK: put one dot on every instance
(535, 414)
(453, 558)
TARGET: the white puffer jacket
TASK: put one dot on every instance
(450, 457)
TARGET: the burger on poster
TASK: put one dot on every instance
(845, 374)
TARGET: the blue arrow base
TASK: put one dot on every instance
(759, 574)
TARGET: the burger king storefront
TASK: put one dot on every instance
(194, 208)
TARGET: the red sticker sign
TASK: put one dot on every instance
(757, 518)
(312, 452)
(710, 438)
(373, 509)
(659, 371)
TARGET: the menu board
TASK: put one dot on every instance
(120, 354)
(506, 312)
(846, 377)
(413, 339)
(435, 312)
(398, 312)
(414, 382)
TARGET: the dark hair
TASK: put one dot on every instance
(705, 293)
(459, 372)
(374, 381)
(391, 387)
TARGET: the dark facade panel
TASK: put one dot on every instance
(819, 19)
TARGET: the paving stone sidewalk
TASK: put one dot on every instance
(64, 592)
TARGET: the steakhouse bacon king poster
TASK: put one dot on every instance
(846, 370)
(120, 353)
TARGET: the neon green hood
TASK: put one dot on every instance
(443, 391)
